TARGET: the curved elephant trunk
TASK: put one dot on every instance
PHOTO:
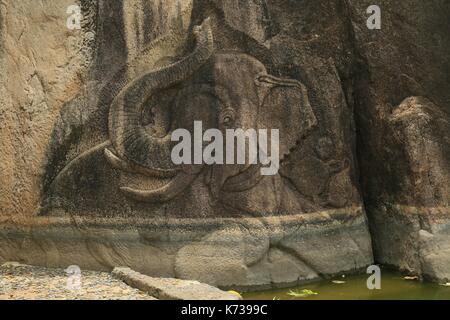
(131, 141)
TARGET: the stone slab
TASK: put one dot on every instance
(171, 289)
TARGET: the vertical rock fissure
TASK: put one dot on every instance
(360, 75)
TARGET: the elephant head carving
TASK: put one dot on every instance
(224, 90)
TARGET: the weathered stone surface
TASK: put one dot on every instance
(231, 253)
(23, 282)
(85, 172)
(171, 289)
(402, 114)
(42, 66)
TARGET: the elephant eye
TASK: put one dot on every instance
(227, 120)
(228, 117)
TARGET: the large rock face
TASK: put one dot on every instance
(402, 111)
(86, 174)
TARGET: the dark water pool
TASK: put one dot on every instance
(393, 287)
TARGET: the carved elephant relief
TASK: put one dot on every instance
(224, 90)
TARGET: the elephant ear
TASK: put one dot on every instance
(285, 106)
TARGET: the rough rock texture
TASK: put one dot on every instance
(402, 105)
(43, 65)
(22, 282)
(172, 289)
(230, 253)
(363, 118)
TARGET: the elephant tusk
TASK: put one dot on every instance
(163, 194)
(125, 166)
(272, 80)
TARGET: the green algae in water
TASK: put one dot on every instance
(393, 287)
